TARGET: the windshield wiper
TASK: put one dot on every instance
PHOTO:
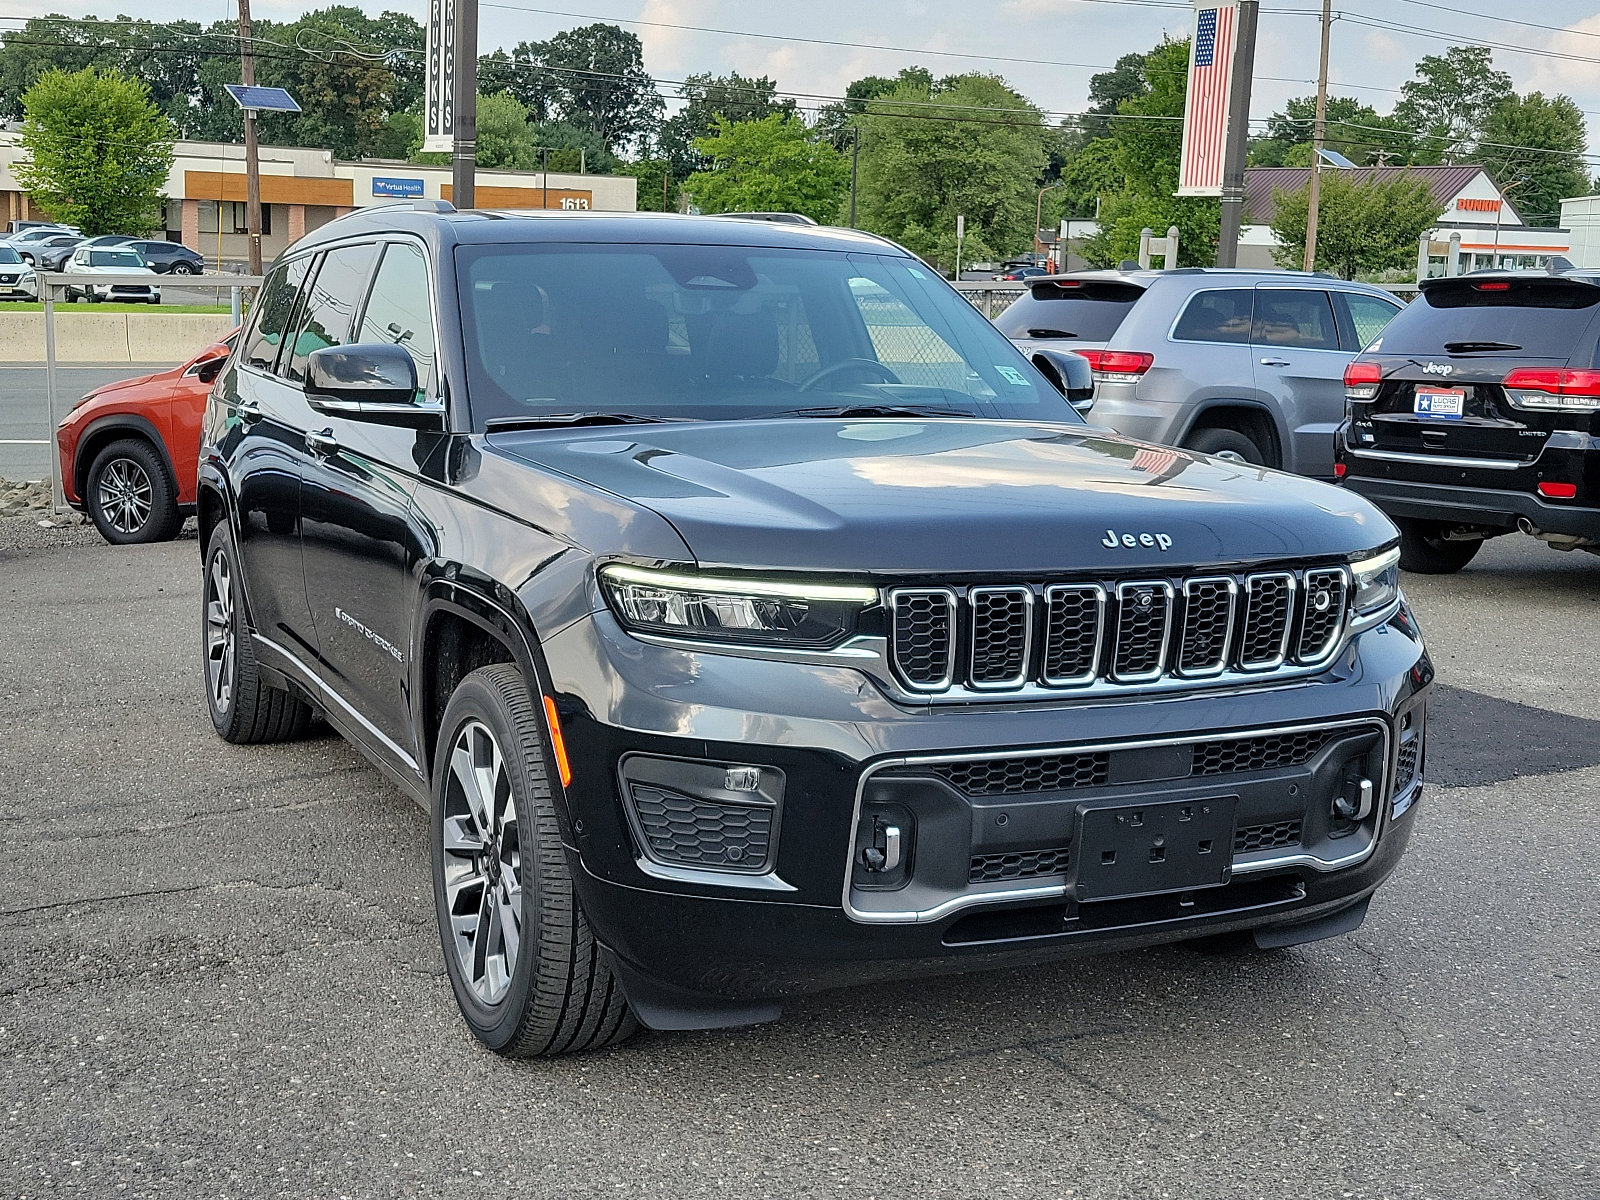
(1050, 333)
(876, 410)
(571, 420)
(1469, 347)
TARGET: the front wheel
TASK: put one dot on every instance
(526, 971)
(1424, 550)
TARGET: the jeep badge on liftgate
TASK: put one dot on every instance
(750, 617)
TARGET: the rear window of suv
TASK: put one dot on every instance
(1089, 310)
(1540, 318)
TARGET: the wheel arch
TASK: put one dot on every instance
(101, 432)
(1250, 417)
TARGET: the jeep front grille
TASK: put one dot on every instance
(1012, 636)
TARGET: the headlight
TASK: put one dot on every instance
(1377, 580)
(703, 608)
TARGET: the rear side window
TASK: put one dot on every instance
(1368, 316)
(1537, 318)
(278, 299)
(1294, 319)
(330, 308)
(1216, 316)
(1091, 311)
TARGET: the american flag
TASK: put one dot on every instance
(1205, 113)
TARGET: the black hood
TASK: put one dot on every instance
(951, 496)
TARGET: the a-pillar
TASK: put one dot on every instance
(191, 225)
(297, 222)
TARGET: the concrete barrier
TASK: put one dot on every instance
(91, 337)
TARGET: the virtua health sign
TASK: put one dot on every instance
(405, 189)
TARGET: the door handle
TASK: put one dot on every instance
(1275, 362)
(249, 411)
(323, 444)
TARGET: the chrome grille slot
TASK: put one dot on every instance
(1268, 613)
(1208, 607)
(924, 633)
(1321, 613)
(1144, 623)
(1074, 627)
(1001, 621)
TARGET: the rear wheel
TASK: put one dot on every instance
(184, 268)
(1227, 443)
(1424, 550)
(244, 708)
(526, 971)
(130, 498)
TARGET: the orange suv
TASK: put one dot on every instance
(128, 449)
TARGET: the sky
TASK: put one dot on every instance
(1375, 43)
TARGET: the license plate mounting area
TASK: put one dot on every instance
(1146, 848)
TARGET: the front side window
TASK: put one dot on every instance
(279, 296)
(398, 310)
(1296, 319)
(728, 332)
(1216, 316)
(330, 306)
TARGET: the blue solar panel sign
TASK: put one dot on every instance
(262, 99)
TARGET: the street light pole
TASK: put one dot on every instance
(1237, 139)
(855, 162)
(252, 154)
(463, 190)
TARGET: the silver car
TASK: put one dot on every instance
(1241, 364)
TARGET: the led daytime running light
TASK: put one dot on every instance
(740, 587)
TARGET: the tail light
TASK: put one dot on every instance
(1118, 366)
(1559, 389)
(1558, 491)
(1361, 380)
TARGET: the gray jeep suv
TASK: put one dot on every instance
(1244, 364)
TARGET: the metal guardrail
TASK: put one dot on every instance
(53, 288)
(991, 298)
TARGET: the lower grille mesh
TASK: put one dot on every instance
(1009, 776)
(1025, 864)
(1259, 754)
(701, 833)
(1266, 837)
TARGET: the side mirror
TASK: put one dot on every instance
(1069, 374)
(373, 381)
(208, 371)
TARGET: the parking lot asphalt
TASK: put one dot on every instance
(25, 432)
(220, 974)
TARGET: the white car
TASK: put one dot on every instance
(17, 280)
(110, 260)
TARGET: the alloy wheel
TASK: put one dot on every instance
(482, 861)
(220, 648)
(125, 495)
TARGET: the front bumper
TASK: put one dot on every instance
(697, 938)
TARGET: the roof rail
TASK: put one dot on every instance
(433, 206)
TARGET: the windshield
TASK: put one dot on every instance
(121, 259)
(728, 332)
(8, 255)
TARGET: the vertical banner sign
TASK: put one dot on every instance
(1205, 110)
(438, 118)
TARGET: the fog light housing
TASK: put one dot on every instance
(702, 816)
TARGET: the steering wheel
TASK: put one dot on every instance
(849, 364)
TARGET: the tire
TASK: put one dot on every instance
(244, 709)
(1227, 443)
(546, 991)
(1424, 550)
(131, 500)
(184, 268)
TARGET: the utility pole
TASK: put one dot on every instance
(855, 161)
(1319, 133)
(252, 155)
(464, 154)
(1237, 145)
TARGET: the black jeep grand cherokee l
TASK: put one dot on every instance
(1477, 412)
(752, 618)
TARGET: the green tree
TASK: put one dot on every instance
(98, 151)
(979, 156)
(1147, 151)
(592, 77)
(770, 165)
(656, 193)
(1109, 89)
(707, 97)
(1364, 227)
(1353, 129)
(1535, 145)
(1091, 174)
(1449, 101)
(836, 121)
